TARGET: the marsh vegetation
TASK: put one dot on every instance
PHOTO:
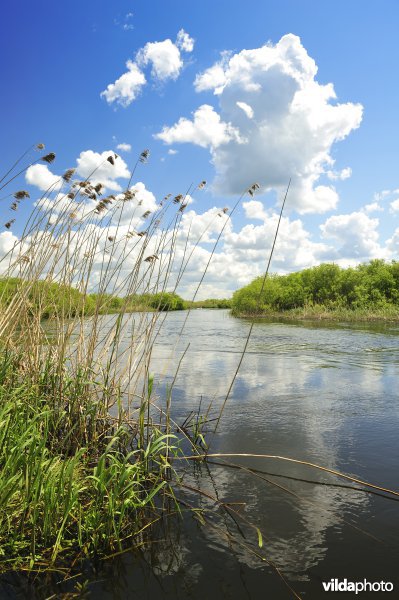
(366, 292)
(95, 457)
(85, 447)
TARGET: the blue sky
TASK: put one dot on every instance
(250, 91)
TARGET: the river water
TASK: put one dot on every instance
(325, 394)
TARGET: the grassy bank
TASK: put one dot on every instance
(321, 313)
(365, 293)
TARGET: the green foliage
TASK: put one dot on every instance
(70, 479)
(210, 303)
(47, 299)
(165, 301)
(106, 303)
(374, 285)
(50, 299)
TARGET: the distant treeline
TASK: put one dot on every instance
(53, 299)
(45, 298)
(374, 285)
(210, 303)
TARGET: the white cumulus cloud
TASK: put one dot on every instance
(7, 242)
(184, 41)
(343, 174)
(255, 210)
(43, 178)
(164, 58)
(246, 108)
(394, 206)
(356, 236)
(131, 213)
(165, 61)
(372, 207)
(295, 122)
(206, 129)
(213, 78)
(127, 87)
(250, 247)
(393, 244)
(124, 147)
(382, 200)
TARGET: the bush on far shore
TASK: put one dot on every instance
(373, 285)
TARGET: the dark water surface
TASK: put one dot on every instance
(322, 393)
(318, 393)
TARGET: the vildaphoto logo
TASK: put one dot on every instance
(336, 585)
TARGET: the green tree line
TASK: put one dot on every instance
(50, 299)
(373, 285)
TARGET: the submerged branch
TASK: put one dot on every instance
(292, 460)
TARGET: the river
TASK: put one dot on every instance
(316, 392)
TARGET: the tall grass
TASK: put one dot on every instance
(67, 484)
(84, 448)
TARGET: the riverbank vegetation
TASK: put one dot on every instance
(210, 303)
(51, 299)
(368, 291)
(86, 441)
(72, 480)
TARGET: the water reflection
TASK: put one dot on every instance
(316, 392)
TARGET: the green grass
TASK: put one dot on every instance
(72, 480)
(321, 313)
(85, 442)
